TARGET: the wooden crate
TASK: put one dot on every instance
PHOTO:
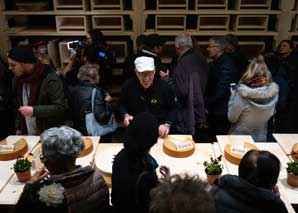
(253, 4)
(251, 22)
(172, 4)
(212, 4)
(170, 22)
(252, 48)
(106, 4)
(168, 52)
(71, 23)
(70, 5)
(119, 49)
(213, 22)
(64, 53)
(108, 22)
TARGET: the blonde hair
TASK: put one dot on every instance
(256, 68)
(88, 72)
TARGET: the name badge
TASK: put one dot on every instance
(6, 148)
(238, 150)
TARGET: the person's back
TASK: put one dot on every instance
(254, 190)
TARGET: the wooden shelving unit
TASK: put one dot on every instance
(170, 22)
(212, 4)
(251, 22)
(70, 5)
(71, 23)
(119, 49)
(213, 22)
(108, 23)
(253, 4)
(172, 4)
(106, 4)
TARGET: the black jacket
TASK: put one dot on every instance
(158, 99)
(233, 194)
(81, 105)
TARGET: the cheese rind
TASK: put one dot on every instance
(179, 146)
(20, 148)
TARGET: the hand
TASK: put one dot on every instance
(127, 119)
(233, 92)
(276, 190)
(164, 74)
(108, 97)
(165, 171)
(39, 175)
(19, 132)
(72, 56)
(26, 110)
(163, 130)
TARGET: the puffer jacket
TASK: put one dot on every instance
(233, 194)
(81, 105)
(250, 109)
(85, 191)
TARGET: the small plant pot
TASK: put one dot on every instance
(212, 178)
(292, 180)
(24, 176)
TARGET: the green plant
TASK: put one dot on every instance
(293, 168)
(214, 167)
(21, 165)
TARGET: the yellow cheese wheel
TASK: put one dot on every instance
(294, 152)
(20, 148)
(88, 147)
(170, 149)
(235, 158)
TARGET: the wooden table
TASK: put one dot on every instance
(288, 194)
(286, 141)
(13, 188)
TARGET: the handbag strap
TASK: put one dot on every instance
(93, 99)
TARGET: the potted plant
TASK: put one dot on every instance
(213, 169)
(22, 168)
(292, 174)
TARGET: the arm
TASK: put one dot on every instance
(235, 107)
(102, 109)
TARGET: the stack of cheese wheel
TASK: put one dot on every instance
(88, 147)
(234, 157)
(20, 148)
(294, 152)
(179, 146)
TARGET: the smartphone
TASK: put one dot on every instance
(233, 86)
(102, 54)
(72, 45)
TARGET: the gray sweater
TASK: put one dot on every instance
(250, 109)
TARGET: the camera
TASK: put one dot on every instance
(233, 86)
(73, 45)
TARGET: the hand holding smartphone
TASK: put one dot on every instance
(233, 86)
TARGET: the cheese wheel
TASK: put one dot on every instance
(235, 158)
(20, 148)
(294, 152)
(88, 147)
(172, 141)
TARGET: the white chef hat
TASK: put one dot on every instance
(144, 63)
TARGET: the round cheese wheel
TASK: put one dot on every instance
(170, 148)
(294, 152)
(235, 158)
(88, 147)
(20, 148)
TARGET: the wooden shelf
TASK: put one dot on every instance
(106, 4)
(172, 4)
(70, 5)
(212, 4)
(119, 49)
(213, 22)
(170, 22)
(250, 22)
(71, 23)
(253, 4)
(108, 23)
(69, 12)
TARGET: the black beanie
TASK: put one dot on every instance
(23, 54)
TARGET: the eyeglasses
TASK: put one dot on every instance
(145, 74)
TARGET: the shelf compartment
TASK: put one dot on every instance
(212, 4)
(119, 49)
(113, 23)
(70, 5)
(253, 4)
(252, 48)
(32, 6)
(106, 4)
(170, 22)
(71, 23)
(172, 4)
(168, 52)
(213, 22)
(251, 22)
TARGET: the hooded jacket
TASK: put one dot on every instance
(233, 194)
(250, 109)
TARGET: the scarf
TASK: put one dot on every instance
(34, 79)
(258, 82)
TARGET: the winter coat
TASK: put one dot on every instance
(85, 191)
(81, 105)
(233, 194)
(189, 82)
(250, 109)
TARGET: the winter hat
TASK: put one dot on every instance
(144, 63)
(23, 54)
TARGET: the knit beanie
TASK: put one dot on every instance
(23, 54)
